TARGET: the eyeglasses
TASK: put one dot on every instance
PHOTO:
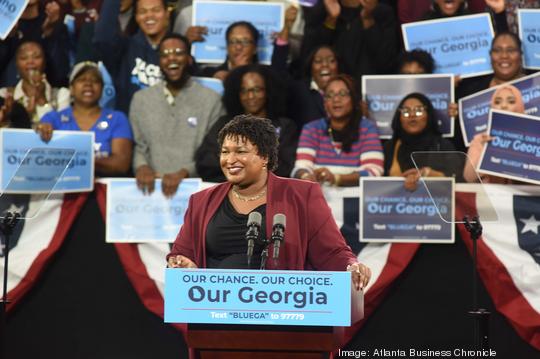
(241, 42)
(502, 50)
(176, 51)
(254, 90)
(340, 94)
(415, 111)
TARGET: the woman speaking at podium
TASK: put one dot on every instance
(214, 231)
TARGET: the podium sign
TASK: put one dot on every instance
(258, 297)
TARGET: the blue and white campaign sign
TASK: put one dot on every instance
(384, 92)
(474, 109)
(211, 83)
(79, 176)
(529, 33)
(257, 297)
(459, 45)
(390, 213)
(267, 17)
(133, 217)
(10, 12)
(514, 151)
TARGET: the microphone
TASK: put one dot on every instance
(278, 233)
(252, 234)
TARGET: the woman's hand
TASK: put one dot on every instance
(323, 175)
(45, 131)
(452, 109)
(412, 175)
(360, 275)
(497, 6)
(179, 261)
(333, 8)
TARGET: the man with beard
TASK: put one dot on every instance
(170, 119)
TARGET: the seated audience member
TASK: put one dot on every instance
(451, 8)
(305, 96)
(416, 128)
(242, 38)
(82, 11)
(132, 61)
(506, 62)
(215, 221)
(254, 90)
(505, 98)
(41, 23)
(113, 137)
(341, 148)
(170, 120)
(33, 90)
(362, 33)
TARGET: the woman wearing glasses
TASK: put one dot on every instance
(337, 150)
(254, 90)
(242, 38)
(415, 128)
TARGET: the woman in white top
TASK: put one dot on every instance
(33, 91)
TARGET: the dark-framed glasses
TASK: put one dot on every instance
(415, 111)
(241, 42)
(340, 94)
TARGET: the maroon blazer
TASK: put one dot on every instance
(312, 239)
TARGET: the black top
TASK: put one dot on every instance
(226, 244)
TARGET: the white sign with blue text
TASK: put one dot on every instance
(529, 33)
(258, 297)
(459, 45)
(267, 17)
(79, 175)
(10, 12)
(134, 217)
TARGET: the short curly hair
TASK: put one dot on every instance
(259, 131)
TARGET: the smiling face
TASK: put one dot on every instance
(30, 60)
(324, 66)
(152, 17)
(86, 88)
(240, 162)
(337, 100)
(449, 7)
(505, 100)
(413, 116)
(253, 94)
(241, 46)
(173, 59)
(505, 58)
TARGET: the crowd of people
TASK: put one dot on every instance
(55, 64)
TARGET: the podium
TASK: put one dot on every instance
(210, 341)
(261, 314)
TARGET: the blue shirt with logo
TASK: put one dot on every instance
(110, 125)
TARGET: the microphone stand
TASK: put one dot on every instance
(8, 223)
(480, 315)
(264, 253)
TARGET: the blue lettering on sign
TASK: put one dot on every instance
(8, 5)
(533, 38)
(299, 298)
